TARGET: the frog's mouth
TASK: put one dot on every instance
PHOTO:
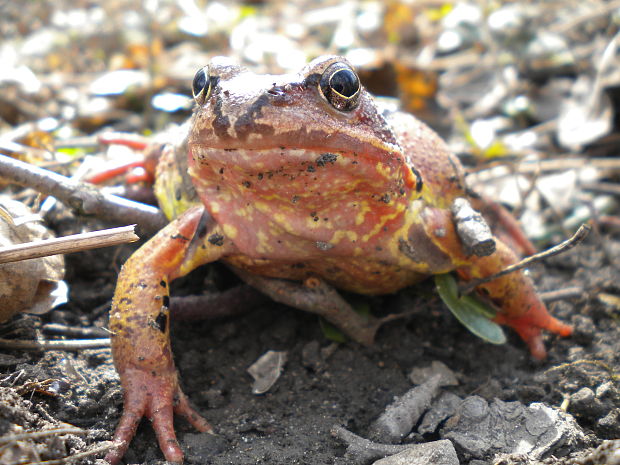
(296, 172)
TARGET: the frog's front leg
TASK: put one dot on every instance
(519, 305)
(140, 326)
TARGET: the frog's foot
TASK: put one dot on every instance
(141, 169)
(530, 326)
(156, 397)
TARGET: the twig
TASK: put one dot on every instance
(68, 244)
(55, 345)
(104, 447)
(561, 294)
(76, 331)
(568, 244)
(84, 198)
(40, 434)
(365, 450)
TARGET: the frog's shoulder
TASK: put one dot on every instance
(425, 151)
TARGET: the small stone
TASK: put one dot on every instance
(607, 453)
(444, 407)
(421, 375)
(610, 423)
(480, 430)
(606, 390)
(583, 397)
(430, 453)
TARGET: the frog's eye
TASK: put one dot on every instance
(201, 85)
(340, 86)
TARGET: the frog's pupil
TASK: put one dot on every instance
(345, 82)
(199, 83)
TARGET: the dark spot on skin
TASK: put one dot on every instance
(456, 171)
(325, 158)
(325, 219)
(385, 198)
(158, 298)
(418, 180)
(125, 300)
(221, 170)
(220, 122)
(354, 162)
(312, 213)
(216, 239)
(163, 284)
(247, 184)
(378, 248)
(316, 218)
(310, 169)
(142, 285)
(246, 124)
(295, 199)
(179, 236)
(160, 321)
(259, 176)
(178, 194)
(166, 301)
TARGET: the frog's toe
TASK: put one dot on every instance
(530, 325)
(161, 414)
(184, 409)
(135, 404)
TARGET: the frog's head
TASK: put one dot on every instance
(307, 141)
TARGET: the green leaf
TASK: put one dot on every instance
(359, 304)
(471, 312)
(331, 332)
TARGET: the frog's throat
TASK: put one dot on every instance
(304, 199)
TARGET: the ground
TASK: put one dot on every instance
(502, 83)
(326, 383)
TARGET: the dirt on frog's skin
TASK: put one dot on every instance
(324, 383)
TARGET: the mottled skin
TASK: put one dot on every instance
(296, 188)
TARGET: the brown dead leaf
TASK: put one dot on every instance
(417, 87)
(27, 285)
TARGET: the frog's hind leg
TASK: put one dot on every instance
(316, 296)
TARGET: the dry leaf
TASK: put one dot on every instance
(28, 285)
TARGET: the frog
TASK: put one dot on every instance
(304, 184)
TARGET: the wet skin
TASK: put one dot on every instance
(303, 178)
